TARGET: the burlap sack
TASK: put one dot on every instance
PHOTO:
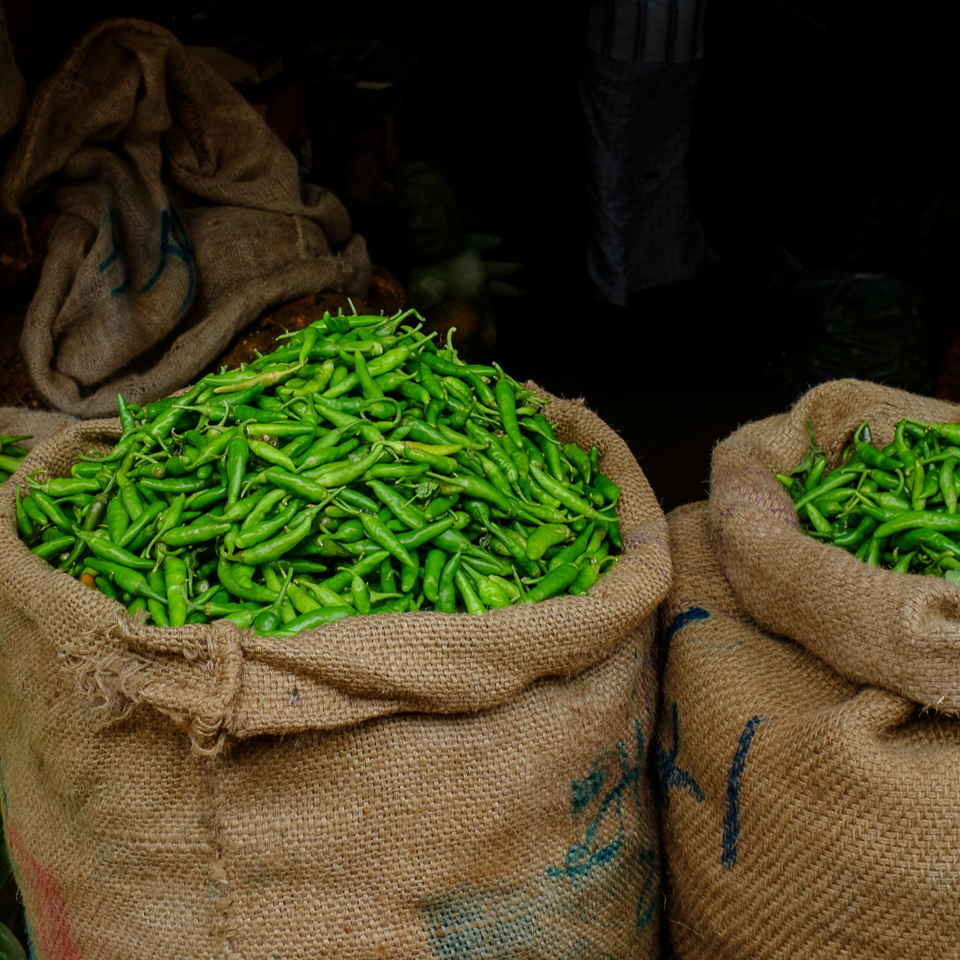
(415, 786)
(810, 770)
(182, 219)
(39, 425)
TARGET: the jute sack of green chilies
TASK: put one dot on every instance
(407, 786)
(808, 743)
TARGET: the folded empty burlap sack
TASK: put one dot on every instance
(182, 219)
(410, 786)
(808, 743)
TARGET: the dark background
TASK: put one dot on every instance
(823, 129)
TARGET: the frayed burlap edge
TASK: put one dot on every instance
(118, 679)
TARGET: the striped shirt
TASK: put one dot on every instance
(646, 31)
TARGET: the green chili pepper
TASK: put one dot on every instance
(249, 504)
(820, 523)
(106, 588)
(931, 485)
(318, 383)
(948, 486)
(316, 619)
(492, 594)
(258, 532)
(378, 531)
(206, 498)
(564, 494)
(580, 460)
(587, 577)
(195, 533)
(158, 610)
(143, 520)
(338, 475)
(507, 406)
(938, 541)
(271, 454)
(477, 488)
(544, 537)
(494, 475)
(446, 590)
(470, 598)
(360, 594)
(853, 538)
(316, 461)
(432, 571)
(932, 521)
(388, 577)
(875, 546)
(49, 511)
(270, 550)
(427, 534)
(246, 590)
(573, 552)
(266, 378)
(49, 548)
(556, 581)
(903, 563)
(238, 452)
(609, 490)
(439, 505)
(282, 608)
(871, 455)
(130, 581)
(299, 597)
(101, 547)
(24, 523)
(515, 548)
(410, 573)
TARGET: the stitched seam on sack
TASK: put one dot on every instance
(218, 883)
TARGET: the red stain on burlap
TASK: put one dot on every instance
(50, 925)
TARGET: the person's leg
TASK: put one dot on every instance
(642, 231)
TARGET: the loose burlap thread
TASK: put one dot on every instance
(182, 218)
(404, 786)
(810, 783)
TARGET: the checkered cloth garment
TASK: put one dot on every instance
(640, 70)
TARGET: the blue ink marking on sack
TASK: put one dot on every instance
(478, 923)
(679, 622)
(112, 257)
(585, 790)
(647, 902)
(731, 808)
(544, 915)
(180, 247)
(582, 857)
(670, 774)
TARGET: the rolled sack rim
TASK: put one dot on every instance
(200, 670)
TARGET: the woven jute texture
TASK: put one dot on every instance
(37, 424)
(182, 219)
(871, 625)
(811, 793)
(412, 786)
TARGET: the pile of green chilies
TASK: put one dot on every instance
(359, 468)
(895, 507)
(11, 454)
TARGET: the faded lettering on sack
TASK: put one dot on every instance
(174, 243)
